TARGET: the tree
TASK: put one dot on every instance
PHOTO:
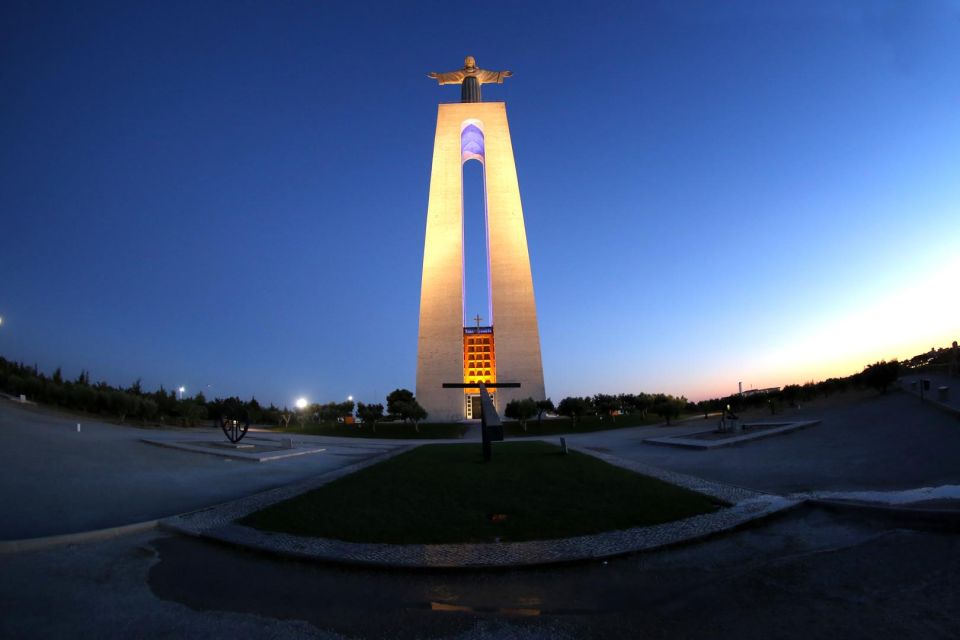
(573, 408)
(667, 406)
(412, 411)
(345, 409)
(123, 404)
(396, 399)
(253, 411)
(329, 412)
(192, 412)
(232, 408)
(881, 375)
(521, 410)
(638, 403)
(606, 405)
(542, 407)
(146, 408)
(401, 403)
(370, 414)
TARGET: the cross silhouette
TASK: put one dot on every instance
(478, 319)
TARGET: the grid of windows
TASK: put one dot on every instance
(479, 362)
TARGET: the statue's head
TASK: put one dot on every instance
(469, 62)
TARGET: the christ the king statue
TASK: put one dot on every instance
(470, 78)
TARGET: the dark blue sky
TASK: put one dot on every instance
(234, 194)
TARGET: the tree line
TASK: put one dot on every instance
(575, 407)
(134, 403)
(880, 376)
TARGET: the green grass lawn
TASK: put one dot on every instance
(445, 493)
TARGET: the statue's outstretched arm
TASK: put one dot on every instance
(485, 76)
(450, 77)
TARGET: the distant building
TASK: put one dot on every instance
(757, 392)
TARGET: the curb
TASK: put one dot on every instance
(33, 544)
(947, 518)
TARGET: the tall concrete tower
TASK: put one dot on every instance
(508, 349)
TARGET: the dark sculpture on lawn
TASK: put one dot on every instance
(234, 429)
(491, 428)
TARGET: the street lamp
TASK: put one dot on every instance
(181, 390)
(301, 404)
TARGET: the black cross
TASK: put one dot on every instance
(490, 426)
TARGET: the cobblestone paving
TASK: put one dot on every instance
(219, 523)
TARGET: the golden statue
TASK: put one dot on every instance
(470, 78)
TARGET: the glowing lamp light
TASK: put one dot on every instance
(301, 403)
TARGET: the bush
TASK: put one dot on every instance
(521, 410)
(881, 375)
(573, 408)
(146, 408)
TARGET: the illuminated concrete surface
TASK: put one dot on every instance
(440, 338)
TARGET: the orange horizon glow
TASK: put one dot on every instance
(909, 321)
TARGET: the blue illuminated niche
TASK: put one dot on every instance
(471, 143)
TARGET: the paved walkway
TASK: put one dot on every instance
(57, 481)
(890, 442)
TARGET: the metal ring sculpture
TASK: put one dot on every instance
(234, 430)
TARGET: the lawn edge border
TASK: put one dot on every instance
(218, 523)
